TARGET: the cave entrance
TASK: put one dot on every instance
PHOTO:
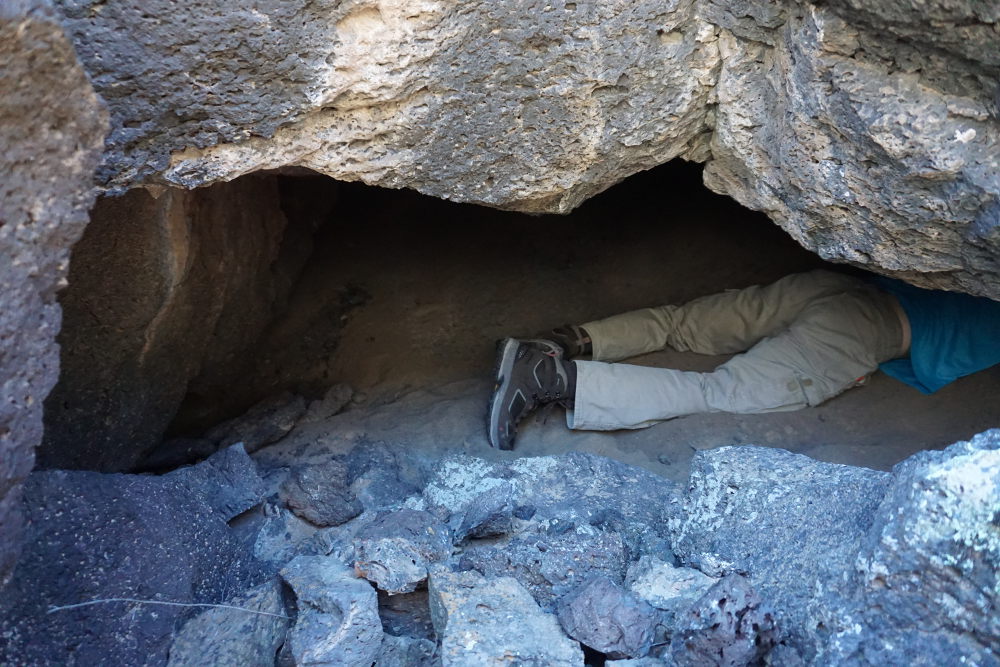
(400, 297)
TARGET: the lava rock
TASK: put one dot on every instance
(729, 626)
(602, 615)
(334, 400)
(94, 536)
(489, 514)
(282, 536)
(226, 636)
(320, 494)
(581, 488)
(929, 565)
(494, 621)
(265, 423)
(227, 480)
(550, 566)
(769, 513)
(337, 622)
(406, 652)
(52, 131)
(395, 551)
(670, 589)
(382, 489)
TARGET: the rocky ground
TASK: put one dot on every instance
(367, 553)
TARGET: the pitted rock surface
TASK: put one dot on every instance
(321, 494)
(94, 536)
(396, 550)
(494, 621)
(551, 565)
(607, 618)
(337, 621)
(931, 561)
(867, 130)
(769, 513)
(730, 626)
(52, 129)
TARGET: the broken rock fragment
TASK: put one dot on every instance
(396, 550)
(602, 615)
(249, 636)
(337, 622)
(320, 494)
(494, 621)
(729, 626)
(670, 589)
(406, 652)
(550, 565)
(265, 423)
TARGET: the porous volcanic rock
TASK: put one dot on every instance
(869, 150)
(928, 568)
(794, 525)
(874, 150)
(124, 539)
(494, 621)
(52, 128)
(512, 104)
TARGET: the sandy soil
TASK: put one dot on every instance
(444, 281)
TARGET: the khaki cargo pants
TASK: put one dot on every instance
(804, 339)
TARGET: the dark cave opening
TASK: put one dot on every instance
(186, 310)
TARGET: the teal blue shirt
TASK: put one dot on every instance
(952, 335)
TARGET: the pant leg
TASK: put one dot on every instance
(835, 341)
(724, 323)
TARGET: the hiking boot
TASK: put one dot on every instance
(529, 373)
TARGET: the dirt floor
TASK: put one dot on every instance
(432, 285)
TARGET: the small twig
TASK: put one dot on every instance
(164, 602)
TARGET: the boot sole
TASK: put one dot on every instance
(506, 351)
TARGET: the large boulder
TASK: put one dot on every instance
(928, 567)
(874, 151)
(52, 128)
(112, 563)
(794, 525)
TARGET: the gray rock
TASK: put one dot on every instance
(337, 621)
(94, 536)
(225, 636)
(379, 489)
(549, 566)
(494, 621)
(859, 144)
(929, 565)
(602, 615)
(396, 550)
(577, 487)
(488, 514)
(729, 626)
(406, 652)
(282, 536)
(320, 494)
(769, 513)
(52, 129)
(228, 481)
(672, 590)
(333, 401)
(265, 423)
